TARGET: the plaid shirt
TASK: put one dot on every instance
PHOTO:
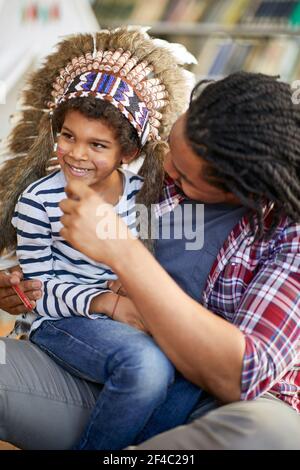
(257, 288)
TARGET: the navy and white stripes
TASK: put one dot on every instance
(71, 279)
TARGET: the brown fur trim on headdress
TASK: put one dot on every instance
(153, 173)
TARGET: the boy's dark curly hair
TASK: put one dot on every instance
(94, 108)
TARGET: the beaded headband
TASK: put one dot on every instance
(117, 77)
(144, 77)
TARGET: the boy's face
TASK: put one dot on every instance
(88, 151)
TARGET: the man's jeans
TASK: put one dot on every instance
(143, 394)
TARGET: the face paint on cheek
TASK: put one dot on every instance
(60, 152)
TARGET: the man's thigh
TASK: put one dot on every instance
(41, 405)
(265, 423)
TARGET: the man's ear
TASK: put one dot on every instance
(130, 157)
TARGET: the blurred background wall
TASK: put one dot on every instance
(225, 35)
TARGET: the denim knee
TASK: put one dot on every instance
(145, 368)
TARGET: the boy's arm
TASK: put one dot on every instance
(59, 299)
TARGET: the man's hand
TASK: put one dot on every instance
(9, 301)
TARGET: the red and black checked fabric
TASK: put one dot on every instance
(257, 288)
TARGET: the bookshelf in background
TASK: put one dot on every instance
(225, 35)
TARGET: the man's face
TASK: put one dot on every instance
(186, 169)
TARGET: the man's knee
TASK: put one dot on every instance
(260, 424)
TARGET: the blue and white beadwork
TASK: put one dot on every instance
(119, 78)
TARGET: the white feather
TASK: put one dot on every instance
(179, 51)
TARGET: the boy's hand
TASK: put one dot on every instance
(9, 301)
(119, 308)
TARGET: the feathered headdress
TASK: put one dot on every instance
(140, 76)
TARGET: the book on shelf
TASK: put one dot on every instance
(222, 12)
(185, 11)
(282, 12)
(279, 56)
(218, 52)
(150, 11)
(113, 10)
(234, 12)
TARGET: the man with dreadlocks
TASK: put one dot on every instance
(237, 145)
(236, 150)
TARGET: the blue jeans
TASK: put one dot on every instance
(142, 393)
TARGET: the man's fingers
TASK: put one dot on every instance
(67, 206)
(5, 280)
(10, 298)
(27, 286)
(33, 290)
(6, 292)
(12, 278)
(19, 309)
(14, 302)
(65, 220)
(15, 278)
(16, 271)
(64, 233)
(33, 294)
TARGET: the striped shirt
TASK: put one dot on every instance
(70, 279)
(257, 288)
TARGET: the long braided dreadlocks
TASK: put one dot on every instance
(247, 127)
